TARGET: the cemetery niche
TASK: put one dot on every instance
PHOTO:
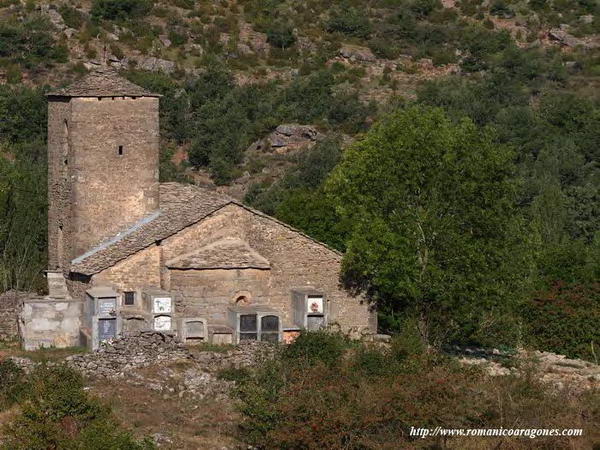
(310, 309)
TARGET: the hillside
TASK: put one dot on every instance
(261, 99)
(335, 66)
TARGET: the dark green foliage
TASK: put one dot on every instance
(12, 386)
(361, 396)
(319, 347)
(501, 9)
(349, 21)
(72, 17)
(281, 34)
(565, 319)
(436, 231)
(120, 9)
(56, 412)
(30, 42)
(22, 188)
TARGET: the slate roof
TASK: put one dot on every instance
(180, 206)
(228, 253)
(103, 82)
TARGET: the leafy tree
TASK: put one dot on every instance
(436, 232)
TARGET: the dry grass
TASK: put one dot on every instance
(188, 423)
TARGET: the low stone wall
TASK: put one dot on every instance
(117, 358)
(9, 311)
(47, 322)
(139, 349)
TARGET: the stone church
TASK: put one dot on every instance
(128, 253)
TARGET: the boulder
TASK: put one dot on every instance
(153, 64)
(355, 53)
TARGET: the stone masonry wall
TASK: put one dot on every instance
(59, 191)
(296, 262)
(113, 164)
(9, 309)
(50, 323)
(208, 293)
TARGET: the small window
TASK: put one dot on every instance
(120, 150)
(129, 298)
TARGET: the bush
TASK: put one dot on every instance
(120, 9)
(316, 347)
(12, 386)
(30, 42)
(349, 21)
(56, 412)
(564, 319)
(370, 399)
(281, 35)
(72, 17)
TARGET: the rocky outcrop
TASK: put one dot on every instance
(153, 64)
(561, 36)
(286, 138)
(355, 53)
(556, 370)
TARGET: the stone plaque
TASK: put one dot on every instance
(314, 305)
(107, 306)
(107, 329)
(162, 323)
(162, 305)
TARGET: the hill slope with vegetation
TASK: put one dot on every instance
(513, 81)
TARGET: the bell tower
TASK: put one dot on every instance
(103, 157)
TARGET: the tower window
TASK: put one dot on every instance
(120, 150)
(129, 299)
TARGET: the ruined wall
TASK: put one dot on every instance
(9, 310)
(50, 323)
(208, 293)
(114, 144)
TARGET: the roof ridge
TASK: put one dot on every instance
(102, 82)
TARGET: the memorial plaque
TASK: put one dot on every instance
(314, 305)
(107, 329)
(162, 305)
(162, 323)
(107, 306)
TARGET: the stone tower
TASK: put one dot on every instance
(103, 143)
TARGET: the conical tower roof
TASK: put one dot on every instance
(102, 82)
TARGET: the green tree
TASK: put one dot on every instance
(436, 232)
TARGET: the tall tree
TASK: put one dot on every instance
(436, 230)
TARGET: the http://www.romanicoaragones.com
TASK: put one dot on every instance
(494, 432)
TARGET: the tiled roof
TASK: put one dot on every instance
(103, 82)
(228, 253)
(180, 206)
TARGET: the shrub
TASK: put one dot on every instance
(349, 21)
(370, 399)
(281, 34)
(120, 9)
(12, 386)
(318, 346)
(30, 42)
(56, 412)
(564, 319)
(72, 17)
